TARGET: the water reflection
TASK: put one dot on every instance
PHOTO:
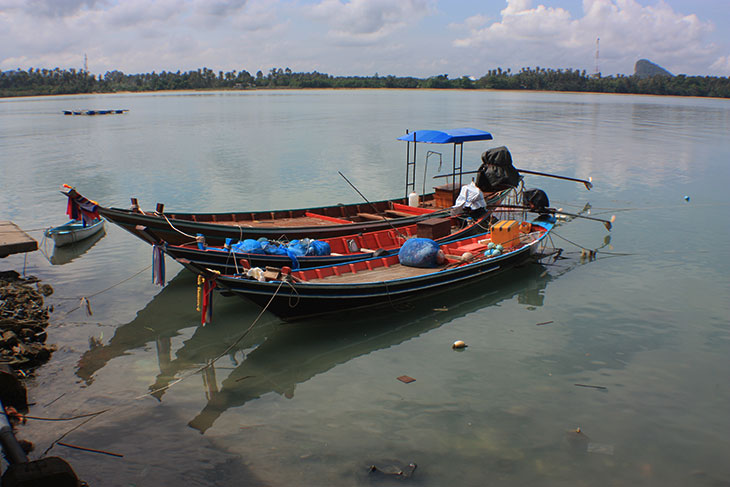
(293, 354)
(161, 319)
(276, 357)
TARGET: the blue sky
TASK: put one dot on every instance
(363, 37)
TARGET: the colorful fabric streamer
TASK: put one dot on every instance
(158, 265)
(81, 208)
(207, 307)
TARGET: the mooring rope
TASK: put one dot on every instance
(84, 300)
(178, 230)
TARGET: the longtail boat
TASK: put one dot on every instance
(231, 258)
(383, 281)
(315, 223)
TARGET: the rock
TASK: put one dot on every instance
(23, 320)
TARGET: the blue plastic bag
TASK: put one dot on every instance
(295, 247)
(249, 246)
(274, 249)
(318, 247)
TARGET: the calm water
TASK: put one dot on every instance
(317, 403)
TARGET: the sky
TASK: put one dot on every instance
(418, 38)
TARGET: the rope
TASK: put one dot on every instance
(296, 293)
(177, 230)
(570, 242)
(38, 418)
(71, 431)
(605, 211)
(30, 230)
(84, 300)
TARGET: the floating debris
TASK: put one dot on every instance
(394, 470)
(591, 387)
(406, 379)
(544, 323)
(459, 345)
(577, 440)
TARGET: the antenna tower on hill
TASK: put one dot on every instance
(86, 64)
(597, 73)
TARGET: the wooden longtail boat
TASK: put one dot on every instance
(315, 223)
(383, 280)
(346, 248)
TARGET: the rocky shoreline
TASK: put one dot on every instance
(23, 322)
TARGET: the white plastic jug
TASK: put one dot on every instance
(413, 199)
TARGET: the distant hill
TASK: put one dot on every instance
(646, 69)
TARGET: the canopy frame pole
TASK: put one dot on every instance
(410, 166)
(454, 188)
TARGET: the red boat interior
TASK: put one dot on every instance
(523, 234)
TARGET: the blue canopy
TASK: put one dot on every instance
(454, 136)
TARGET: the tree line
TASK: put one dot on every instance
(57, 82)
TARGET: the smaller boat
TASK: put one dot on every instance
(73, 231)
(69, 253)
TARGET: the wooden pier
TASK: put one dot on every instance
(13, 240)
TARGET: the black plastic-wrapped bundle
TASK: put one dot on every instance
(536, 199)
(497, 172)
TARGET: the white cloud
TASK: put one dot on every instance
(57, 8)
(367, 21)
(722, 65)
(361, 37)
(551, 36)
(135, 35)
(220, 8)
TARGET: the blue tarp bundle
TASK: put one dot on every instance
(295, 248)
(421, 252)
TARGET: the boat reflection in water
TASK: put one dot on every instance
(276, 357)
(295, 353)
(67, 253)
(162, 319)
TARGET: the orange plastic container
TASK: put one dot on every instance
(506, 233)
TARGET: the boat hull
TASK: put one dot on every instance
(229, 262)
(73, 232)
(314, 223)
(296, 301)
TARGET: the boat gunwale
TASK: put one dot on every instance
(442, 272)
